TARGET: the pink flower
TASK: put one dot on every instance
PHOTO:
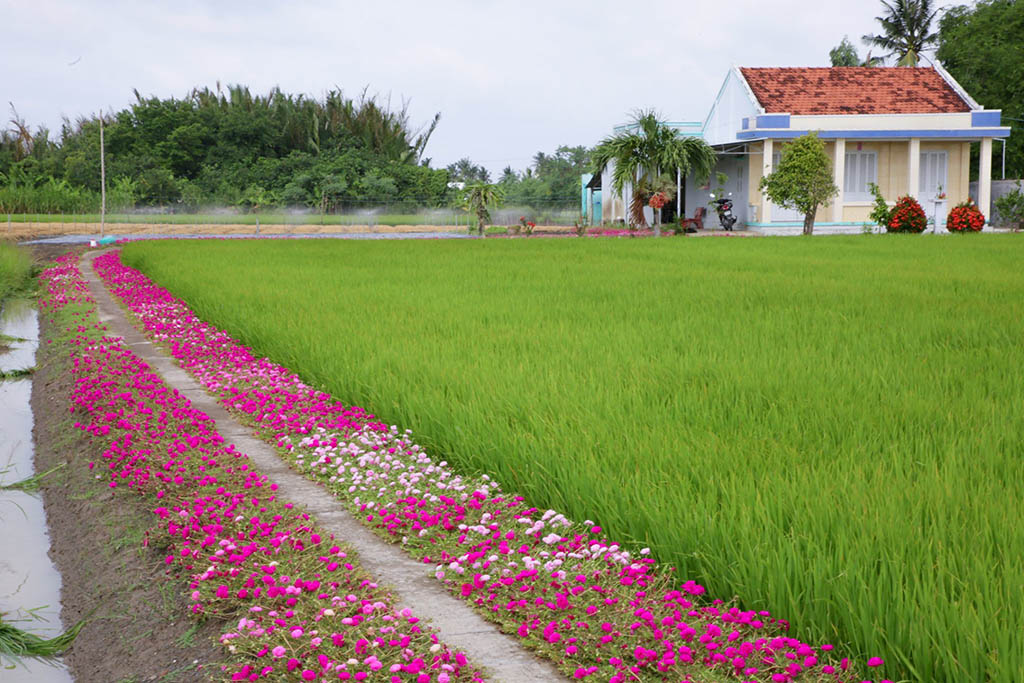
(876, 661)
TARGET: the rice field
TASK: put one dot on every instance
(15, 269)
(829, 428)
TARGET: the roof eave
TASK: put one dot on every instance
(957, 88)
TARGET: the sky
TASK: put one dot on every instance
(509, 78)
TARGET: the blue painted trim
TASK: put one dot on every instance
(773, 121)
(982, 119)
(746, 122)
(972, 133)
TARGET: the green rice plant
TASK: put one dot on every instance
(17, 373)
(16, 643)
(15, 270)
(829, 429)
(32, 483)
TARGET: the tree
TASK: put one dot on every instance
(803, 180)
(479, 198)
(906, 30)
(508, 176)
(1011, 208)
(465, 171)
(643, 152)
(845, 54)
(981, 47)
(218, 144)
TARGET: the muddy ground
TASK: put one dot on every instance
(138, 619)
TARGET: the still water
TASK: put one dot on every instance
(29, 583)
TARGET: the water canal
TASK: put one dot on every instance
(29, 584)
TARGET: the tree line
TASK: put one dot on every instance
(232, 148)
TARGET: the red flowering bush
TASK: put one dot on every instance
(658, 200)
(965, 217)
(526, 226)
(907, 216)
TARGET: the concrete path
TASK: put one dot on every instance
(412, 583)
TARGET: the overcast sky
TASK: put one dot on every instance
(509, 78)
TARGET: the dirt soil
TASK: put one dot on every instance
(25, 231)
(138, 625)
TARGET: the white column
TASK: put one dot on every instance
(985, 178)
(914, 168)
(766, 169)
(839, 175)
(679, 193)
(590, 206)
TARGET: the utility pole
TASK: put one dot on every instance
(103, 180)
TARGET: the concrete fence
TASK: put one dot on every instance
(999, 188)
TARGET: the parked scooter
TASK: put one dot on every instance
(726, 218)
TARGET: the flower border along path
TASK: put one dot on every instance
(413, 587)
(296, 605)
(565, 590)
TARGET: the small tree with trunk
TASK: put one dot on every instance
(803, 180)
(479, 199)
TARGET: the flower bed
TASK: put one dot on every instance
(566, 590)
(296, 605)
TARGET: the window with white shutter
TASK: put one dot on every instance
(932, 174)
(861, 169)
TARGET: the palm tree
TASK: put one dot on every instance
(641, 154)
(480, 198)
(905, 30)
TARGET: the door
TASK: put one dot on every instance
(932, 176)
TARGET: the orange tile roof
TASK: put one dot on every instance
(853, 90)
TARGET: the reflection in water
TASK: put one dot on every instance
(29, 583)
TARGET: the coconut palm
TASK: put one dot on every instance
(479, 198)
(645, 151)
(906, 30)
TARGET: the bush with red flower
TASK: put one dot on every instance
(907, 216)
(526, 226)
(657, 200)
(965, 217)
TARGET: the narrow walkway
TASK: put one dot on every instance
(412, 583)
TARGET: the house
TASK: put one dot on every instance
(907, 129)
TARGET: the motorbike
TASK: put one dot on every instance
(726, 218)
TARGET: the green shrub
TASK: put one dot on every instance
(1011, 208)
(880, 211)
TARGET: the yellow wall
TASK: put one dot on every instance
(755, 172)
(892, 173)
(958, 159)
